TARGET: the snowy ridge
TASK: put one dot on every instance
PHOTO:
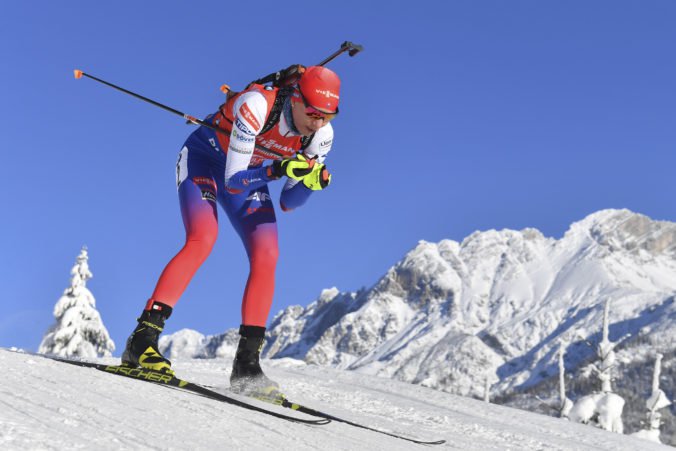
(190, 344)
(51, 405)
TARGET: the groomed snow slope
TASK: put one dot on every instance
(50, 405)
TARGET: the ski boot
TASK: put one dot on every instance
(247, 377)
(142, 349)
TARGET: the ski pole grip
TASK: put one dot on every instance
(353, 48)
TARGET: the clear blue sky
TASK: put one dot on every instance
(458, 116)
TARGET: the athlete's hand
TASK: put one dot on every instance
(318, 179)
(295, 168)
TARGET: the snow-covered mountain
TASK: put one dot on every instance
(450, 314)
(497, 306)
(190, 344)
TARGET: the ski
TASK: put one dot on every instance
(166, 380)
(284, 402)
(316, 413)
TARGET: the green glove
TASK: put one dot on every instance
(295, 168)
(318, 179)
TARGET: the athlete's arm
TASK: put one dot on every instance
(250, 111)
(295, 194)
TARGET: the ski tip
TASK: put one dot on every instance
(225, 89)
(78, 73)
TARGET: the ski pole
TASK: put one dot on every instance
(346, 46)
(79, 74)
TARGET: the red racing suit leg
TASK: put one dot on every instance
(197, 198)
(252, 214)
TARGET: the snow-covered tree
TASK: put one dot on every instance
(658, 400)
(602, 409)
(487, 389)
(78, 330)
(606, 352)
(566, 404)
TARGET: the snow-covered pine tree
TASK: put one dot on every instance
(606, 352)
(487, 389)
(78, 330)
(658, 400)
(566, 404)
(603, 409)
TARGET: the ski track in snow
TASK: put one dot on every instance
(50, 405)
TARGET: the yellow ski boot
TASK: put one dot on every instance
(142, 349)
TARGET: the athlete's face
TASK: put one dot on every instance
(306, 124)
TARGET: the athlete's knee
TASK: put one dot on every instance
(264, 257)
(202, 242)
